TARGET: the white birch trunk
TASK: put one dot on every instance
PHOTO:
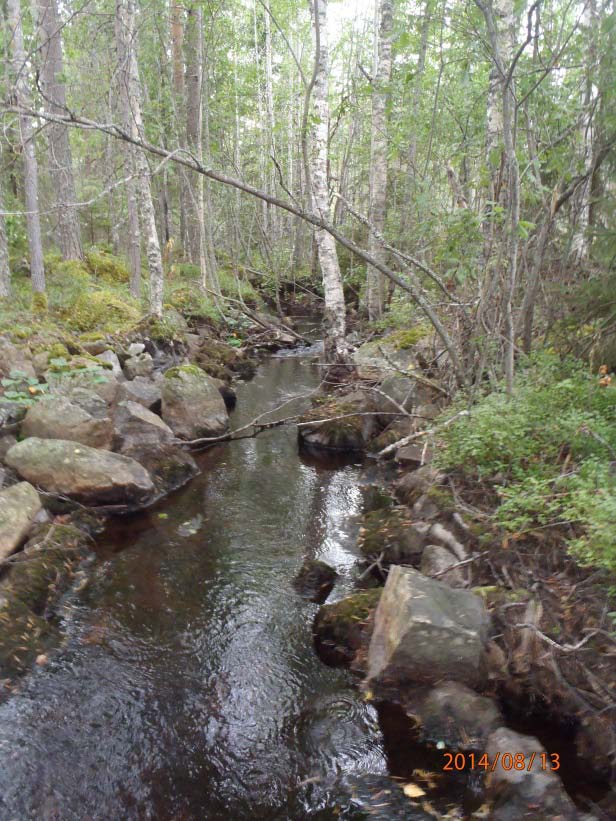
(22, 94)
(335, 310)
(60, 155)
(376, 290)
(125, 32)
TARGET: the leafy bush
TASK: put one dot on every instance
(549, 452)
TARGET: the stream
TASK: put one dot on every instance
(188, 686)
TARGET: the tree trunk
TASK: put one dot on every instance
(60, 156)
(272, 214)
(193, 52)
(499, 21)
(376, 291)
(179, 111)
(129, 72)
(335, 310)
(5, 273)
(33, 222)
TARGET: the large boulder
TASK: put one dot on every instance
(91, 476)
(533, 790)
(391, 354)
(136, 425)
(191, 403)
(83, 372)
(79, 418)
(142, 390)
(347, 423)
(425, 631)
(19, 506)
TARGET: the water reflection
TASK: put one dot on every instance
(188, 686)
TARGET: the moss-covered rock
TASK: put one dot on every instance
(221, 361)
(340, 424)
(390, 536)
(315, 580)
(340, 629)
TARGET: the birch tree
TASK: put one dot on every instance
(59, 147)
(131, 99)
(378, 158)
(335, 310)
(30, 164)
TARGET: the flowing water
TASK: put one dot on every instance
(188, 687)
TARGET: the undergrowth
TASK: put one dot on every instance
(549, 454)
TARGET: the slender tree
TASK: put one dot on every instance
(31, 182)
(59, 147)
(5, 273)
(335, 309)
(131, 98)
(378, 157)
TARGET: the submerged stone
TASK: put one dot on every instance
(315, 580)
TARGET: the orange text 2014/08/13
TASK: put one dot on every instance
(455, 762)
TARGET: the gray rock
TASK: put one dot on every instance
(454, 715)
(136, 425)
(530, 792)
(413, 455)
(140, 365)
(414, 484)
(382, 357)
(135, 348)
(80, 472)
(425, 631)
(19, 506)
(96, 347)
(13, 358)
(142, 390)
(401, 389)
(11, 413)
(99, 381)
(6, 442)
(439, 562)
(191, 404)
(59, 417)
(111, 358)
(170, 467)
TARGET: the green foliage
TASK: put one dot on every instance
(549, 453)
(192, 303)
(104, 309)
(106, 266)
(21, 389)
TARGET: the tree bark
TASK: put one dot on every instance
(60, 156)
(5, 273)
(20, 76)
(125, 33)
(376, 291)
(500, 33)
(335, 309)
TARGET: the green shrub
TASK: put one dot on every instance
(549, 452)
(190, 301)
(106, 266)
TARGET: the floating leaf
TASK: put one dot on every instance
(413, 791)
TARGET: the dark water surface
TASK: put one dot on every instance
(188, 686)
